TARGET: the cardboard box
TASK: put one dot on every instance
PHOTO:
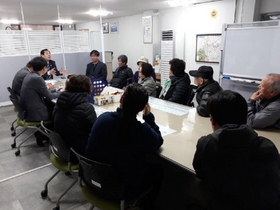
(103, 100)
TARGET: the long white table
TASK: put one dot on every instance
(181, 127)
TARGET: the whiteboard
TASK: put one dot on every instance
(251, 52)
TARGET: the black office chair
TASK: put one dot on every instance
(158, 89)
(191, 96)
(60, 158)
(13, 128)
(102, 187)
(21, 121)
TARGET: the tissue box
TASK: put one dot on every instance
(103, 100)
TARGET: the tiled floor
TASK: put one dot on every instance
(22, 178)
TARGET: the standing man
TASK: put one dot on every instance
(51, 66)
(123, 74)
(264, 105)
(96, 69)
(19, 77)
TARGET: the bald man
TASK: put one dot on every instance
(264, 105)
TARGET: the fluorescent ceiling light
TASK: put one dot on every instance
(99, 13)
(176, 3)
(65, 21)
(5, 21)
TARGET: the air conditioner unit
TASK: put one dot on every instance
(167, 54)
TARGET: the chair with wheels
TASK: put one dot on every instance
(60, 158)
(13, 128)
(101, 186)
(21, 121)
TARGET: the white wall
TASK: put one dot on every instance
(128, 41)
(196, 20)
(270, 6)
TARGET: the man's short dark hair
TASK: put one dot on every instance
(79, 83)
(94, 52)
(43, 51)
(227, 107)
(38, 63)
(29, 64)
(147, 69)
(123, 58)
(177, 66)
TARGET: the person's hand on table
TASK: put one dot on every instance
(61, 89)
(147, 109)
(50, 86)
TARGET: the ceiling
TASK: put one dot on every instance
(46, 11)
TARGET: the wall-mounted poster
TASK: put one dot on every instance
(208, 48)
(147, 29)
(114, 28)
(105, 28)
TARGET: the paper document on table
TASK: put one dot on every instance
(168, 107)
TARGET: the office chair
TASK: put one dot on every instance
(101, 186)
(191, 96)
(60, 158)
(21, 121)
(13, 128)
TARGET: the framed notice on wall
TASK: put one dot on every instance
(147, 29)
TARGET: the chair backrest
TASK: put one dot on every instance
(100, 178)
(15, 99)
(191, 96)
(58, 146)
(158, 89)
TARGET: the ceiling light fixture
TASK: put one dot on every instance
(177, 3)
(5, 21)
(64, 21)
(99, 13)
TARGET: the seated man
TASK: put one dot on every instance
(96, 69)
(239, 168)
(119, 139)
(203, 78)
(264, 105)
(123, 74)
(178, 88)
(19, 77)
(51, 66)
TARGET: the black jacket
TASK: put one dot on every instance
(73, 119)
(180, 90)
(51, 65)
(239, 168)
(204, 92)
(122, 76)
(99, 72)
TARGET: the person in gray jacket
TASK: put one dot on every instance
(264, 104)
(19, 77)
(34, 93)
(146, 79)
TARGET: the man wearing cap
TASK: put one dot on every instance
(136, 76)
(203, 78)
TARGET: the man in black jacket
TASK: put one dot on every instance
(96, 69)
(51, 66)
(203, 78)
(239, 168)
(177, 89)
(123, 74)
